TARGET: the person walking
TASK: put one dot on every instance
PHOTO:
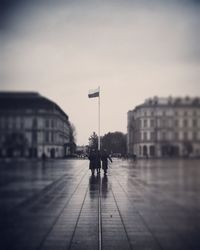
(98, 162)
(104, 158)
(92, 158)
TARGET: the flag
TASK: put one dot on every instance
(93, 93)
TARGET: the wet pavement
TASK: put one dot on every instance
(148, 205)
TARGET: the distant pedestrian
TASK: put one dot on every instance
(95, 161)
(92, 159)
(98, 161)
(43, 156)
(104, 158)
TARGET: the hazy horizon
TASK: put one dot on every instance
(133, 50)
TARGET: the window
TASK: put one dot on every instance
(194, 135)
(34, 123)
(52, 137)
(14, 123)
(163, 122)
(163, 135)
(152, 123)
(185, 123)
(145, 136)
(18, 122)
(140, 136)
(145, 123)
(185, 135)
(140, 123)
(10, 122)
(46, 123)
(2, 123)
(152, 135)
(22, 124)
(152, 150)
(176, 113)
(176, 136)
(194, 123)
(47, 136)
(6, 124)
(144, 150)
(34, 137)
(176, 123)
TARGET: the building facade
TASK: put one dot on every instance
(165, 127)
(32, 126)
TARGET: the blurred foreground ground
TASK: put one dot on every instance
(151, 204)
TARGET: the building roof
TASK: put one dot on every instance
(27, 100)
(170, 102)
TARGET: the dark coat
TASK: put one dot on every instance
(95, 160)
(92, 159)
(98, 160)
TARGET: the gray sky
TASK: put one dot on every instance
(131, 49)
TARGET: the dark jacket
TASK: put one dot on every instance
(95, 159)
(104, 159)
(92, 159)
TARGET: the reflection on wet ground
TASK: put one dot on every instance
(98, 182)
(148, 204)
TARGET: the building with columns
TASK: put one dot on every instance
(165, 127)
(31, 126)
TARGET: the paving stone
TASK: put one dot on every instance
(148, 205)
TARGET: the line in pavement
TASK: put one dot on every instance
(57, 218)
(114, 235)
(140, 224)
(71, 240)
(99, 217)
(128, 239)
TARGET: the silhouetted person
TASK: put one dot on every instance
(92, 158)
(98, 161)
(44, 156)
(104, 158)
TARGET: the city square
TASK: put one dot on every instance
(99, 125)
(57, 204)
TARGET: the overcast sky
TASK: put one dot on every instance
(131, 49)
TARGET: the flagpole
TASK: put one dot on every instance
(99, 143)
